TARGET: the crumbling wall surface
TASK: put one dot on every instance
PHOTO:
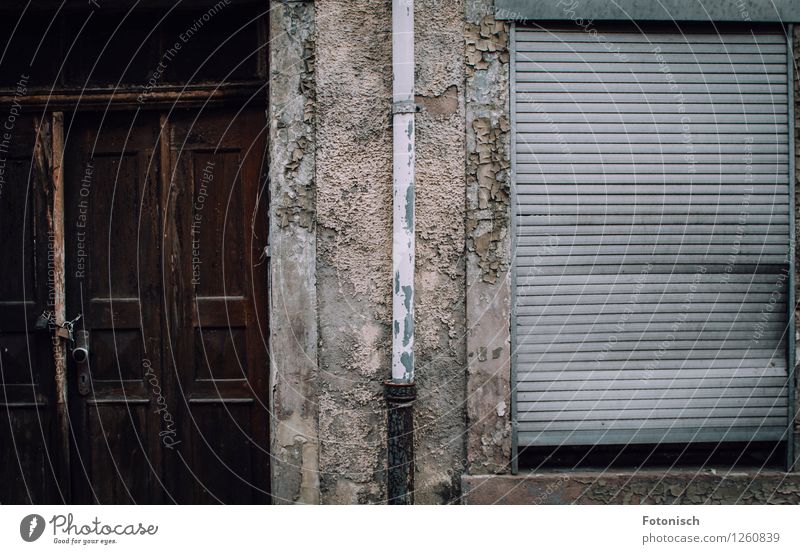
(488, 240)
(293, 306)
(354, 224)
(354, 194)
(440, 348)
(639, 487)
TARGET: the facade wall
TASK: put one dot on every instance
(293, 293)
(440, 328)
(332, 193)
(331, 176)
(488, 295)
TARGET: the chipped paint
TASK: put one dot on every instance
(444, 104)
(294, 205)
(293, 315)
(488, 219)
(403, 174)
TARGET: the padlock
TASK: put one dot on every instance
(64, 333)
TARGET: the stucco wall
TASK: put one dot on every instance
(354, 187)
(440, 281)
(331, 235)
(354, 240)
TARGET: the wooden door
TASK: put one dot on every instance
(112, 223)
(30, 456)
(216, 277)
(164, 241)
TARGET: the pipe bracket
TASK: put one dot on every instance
(405, 106)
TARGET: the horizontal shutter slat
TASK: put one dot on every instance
(706, 433)
(543, 46)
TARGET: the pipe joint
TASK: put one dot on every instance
(400, 432)
(400, 393)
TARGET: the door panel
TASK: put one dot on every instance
(29, 457)
(112, 224)
(217, 233)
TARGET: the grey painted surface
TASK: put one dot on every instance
(791, 296)
(644, 10)
(293, 293)
(692, 302)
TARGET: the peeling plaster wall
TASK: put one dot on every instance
(331, 175)
(640, 487)
(440, 344)
(354, 195)
(354, 175)
(488, 241)
(293, 307)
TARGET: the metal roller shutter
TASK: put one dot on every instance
(651, 236)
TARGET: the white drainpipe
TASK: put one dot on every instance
(403, 191)
(400, 390)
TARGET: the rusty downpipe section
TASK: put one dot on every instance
(400, 390)
(400, 452)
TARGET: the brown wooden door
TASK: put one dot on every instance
(165, 235)
(215, 275)
(112, 220)
(30, 457)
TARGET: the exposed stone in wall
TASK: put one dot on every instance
(488, 240)
(293, 320)
(444, 104)
(640, 487)
(440, 345)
